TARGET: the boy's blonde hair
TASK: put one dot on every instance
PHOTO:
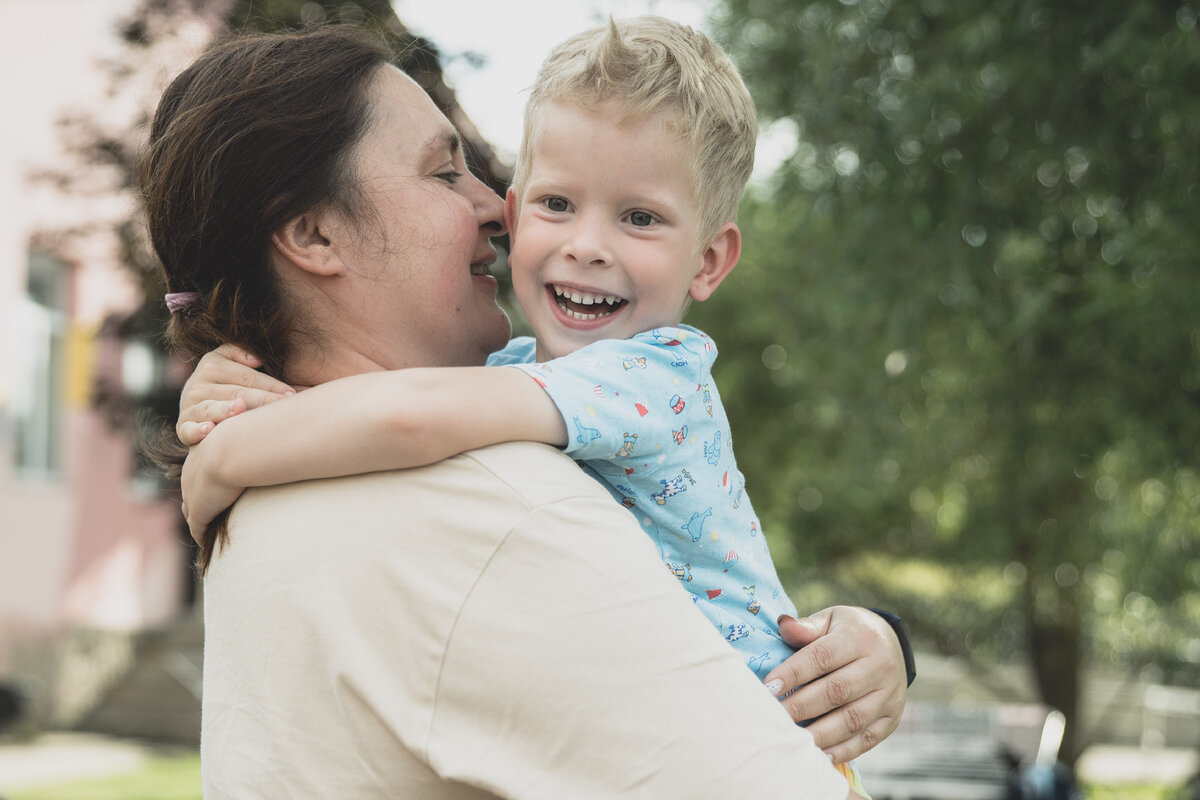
(651, 65)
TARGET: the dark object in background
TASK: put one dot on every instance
(1045, 777)
(12, 706)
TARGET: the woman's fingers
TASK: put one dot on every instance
(855, 727)
(848, 678)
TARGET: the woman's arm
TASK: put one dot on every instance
(365, 423)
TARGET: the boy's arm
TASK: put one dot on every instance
(365, 423)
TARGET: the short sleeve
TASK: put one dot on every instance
(519, 350)
(624, 398)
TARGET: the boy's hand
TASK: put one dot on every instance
(851, 679)
(204, 494)
(225, 382)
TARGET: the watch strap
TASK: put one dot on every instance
(897, 625)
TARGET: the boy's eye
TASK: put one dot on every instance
(641, 219)
(557, 204)
(449, 177)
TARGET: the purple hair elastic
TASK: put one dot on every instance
(177, 301)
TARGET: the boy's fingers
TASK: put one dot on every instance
(235, 353)
(192, 433)
(208, 411)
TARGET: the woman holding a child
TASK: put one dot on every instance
(489, 625)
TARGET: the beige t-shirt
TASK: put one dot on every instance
(490, 626)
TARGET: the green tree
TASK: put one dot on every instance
(962, 350)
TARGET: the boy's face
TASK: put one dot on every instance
(606, 237)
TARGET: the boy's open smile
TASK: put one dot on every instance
(584, 306)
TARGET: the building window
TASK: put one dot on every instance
(41, 336)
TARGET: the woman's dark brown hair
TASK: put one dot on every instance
(257, 131)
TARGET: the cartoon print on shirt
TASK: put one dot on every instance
(681, 571)
(671, 488)
(626, 450)
(737, 631)
(584, 433)
(695, 525)
(712, 450)
(734, 488)
(758, 662)
(631, 363)
(706, 394)
(676, 404)
(670, 340)
(629, 497)
(753, 607)
(680, 436)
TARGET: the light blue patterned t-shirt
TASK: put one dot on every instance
(644, 418)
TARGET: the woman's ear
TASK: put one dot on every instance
(717, 261)
(308, 241)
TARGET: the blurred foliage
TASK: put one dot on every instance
(962, 349)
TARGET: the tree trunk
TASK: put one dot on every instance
(1055, 650)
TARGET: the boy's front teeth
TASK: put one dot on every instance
(586, 298)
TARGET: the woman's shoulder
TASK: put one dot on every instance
(537, 474)
(495, 484)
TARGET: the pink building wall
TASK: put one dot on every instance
(83, 546)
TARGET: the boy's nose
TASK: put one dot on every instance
(588, 246)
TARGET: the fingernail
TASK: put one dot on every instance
(774, 686)
(782, 617)
(205, 427)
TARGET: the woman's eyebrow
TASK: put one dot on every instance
(442, 141)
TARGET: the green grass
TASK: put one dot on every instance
(163, 777)
(177, 777)
(1132, 791)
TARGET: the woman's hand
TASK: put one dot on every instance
(226, 382)
(850, 676)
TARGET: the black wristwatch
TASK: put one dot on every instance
(910, 663)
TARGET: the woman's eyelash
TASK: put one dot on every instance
(450, 177)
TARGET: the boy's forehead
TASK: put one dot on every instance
(610, 111)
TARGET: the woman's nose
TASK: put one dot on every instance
(489, 208)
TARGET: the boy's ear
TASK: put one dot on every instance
(717, 261)
(305, 241)
(510, 211)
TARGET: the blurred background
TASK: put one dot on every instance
(961, 352)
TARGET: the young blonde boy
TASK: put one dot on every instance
(639, 139)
